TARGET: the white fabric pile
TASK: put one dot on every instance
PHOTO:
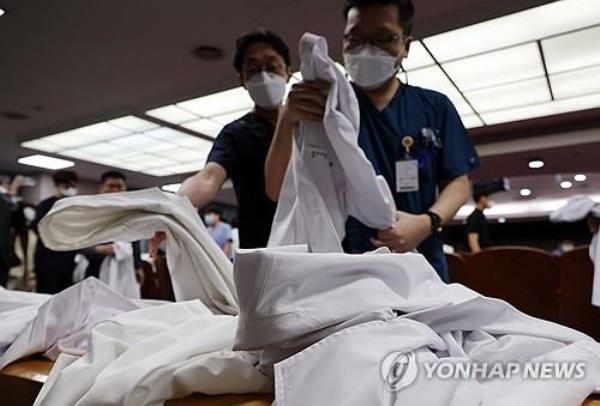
(60, 323)
(199, 269)
(578, 208)
(329, 177)
(148, 356)
(333, 319)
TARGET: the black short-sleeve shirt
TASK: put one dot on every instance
(477, 224)
(241, 149)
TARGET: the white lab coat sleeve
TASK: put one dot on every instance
(199, 269)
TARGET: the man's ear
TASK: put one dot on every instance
(408, 41)
(289, 72)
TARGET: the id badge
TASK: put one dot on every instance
(407, 176)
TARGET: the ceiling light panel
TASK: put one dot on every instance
(219, 103)
(130, 143)
(472, 121)
(204, 126)
(576, 83)
(529, 25)
(418, 57)
(42, 145)
(495, 68)
(433, 78)
(172, 114)
(542, 110)
(508, 96)
(46, 162)
(576, 50)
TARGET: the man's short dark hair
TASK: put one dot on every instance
(64, 177)
(112, 174)
(406, 10)
(214, 209)
(255, 37)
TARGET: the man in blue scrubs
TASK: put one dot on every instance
(414, 137)
(263, 63)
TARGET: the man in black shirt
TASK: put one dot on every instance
(263, 63)
(478, 234)
(54, 269)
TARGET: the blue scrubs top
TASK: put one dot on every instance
(442, 148)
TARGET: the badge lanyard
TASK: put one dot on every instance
(407, 169)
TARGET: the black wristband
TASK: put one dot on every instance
(436, 222)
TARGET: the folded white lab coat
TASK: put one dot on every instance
(147, 356)
(305, 300)
(63, 321)
(118, 270)
(577, 209)
(198, 268)
(328, 177)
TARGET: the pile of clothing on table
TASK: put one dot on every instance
(300, 318)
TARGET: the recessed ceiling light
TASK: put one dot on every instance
(525, 192)
(536, 164)
(209, 53)
(580, 177)
(173, 187)
(1, 12)
(46, 162)
(565, 184)
(501, 220)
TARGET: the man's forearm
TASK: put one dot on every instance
(278, 158)
(452, 197)
(202, 188)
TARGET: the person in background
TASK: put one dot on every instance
(477, 230)
(404, 130)
(263, 64)
(54, 269)
(110, 182)
(218, 229)
(11, 220)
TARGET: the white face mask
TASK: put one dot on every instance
(209, 219)
(68, 192)
(266, 89)
(370, 67)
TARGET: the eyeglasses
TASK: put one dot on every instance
(383, 41)
(272, 67)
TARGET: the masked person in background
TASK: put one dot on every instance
(413, 137)
(263, 63)
(219, 230)
(54, 269)
(115, 263)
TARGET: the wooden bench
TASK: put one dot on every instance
(21, 381)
